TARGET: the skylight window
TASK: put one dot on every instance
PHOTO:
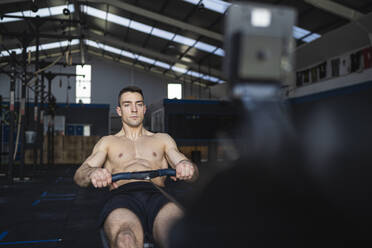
(140, 27)
(112, 49)
(179, 69)
(92, 43)
(146, 60)
(148, 29)
(205, 47)
(5, 53)
(214, 5)
(43, 12)
(127, 54)
(50, 46)
(95, 12)
(8, 19)
(41, 47)
(210, 78)
(311, 37)
(220, 52)
(184, 40)
(299, 32)
(195, 74)
(176, 68)
(117, 19)
(195, 2)
(73, 42)
(221, 6)
(162, 65)
(30, 49)
(163, 34)
(59, 9)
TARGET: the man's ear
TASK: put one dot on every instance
(118, 111)
(144, 109)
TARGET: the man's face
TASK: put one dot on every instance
(132, 109)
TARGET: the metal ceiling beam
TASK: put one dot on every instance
(167, 76)
(161, 18)
(78, 16)
(109, 40)
(12, 1)
(336, 8)
(41, 35)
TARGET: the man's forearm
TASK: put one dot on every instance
(82, 175)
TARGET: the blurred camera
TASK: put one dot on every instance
(259, 44)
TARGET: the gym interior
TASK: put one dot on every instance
(270, 99)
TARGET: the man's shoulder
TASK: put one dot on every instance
(105, 140)
(164, 137)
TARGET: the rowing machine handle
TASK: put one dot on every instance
(143, 174)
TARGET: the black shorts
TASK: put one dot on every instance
(142, 198)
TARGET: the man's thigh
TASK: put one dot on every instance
(123, 220)
(167, 215)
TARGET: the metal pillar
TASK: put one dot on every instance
(50, 132)
(36, 99)
(11, 118)
(1, 132)
(51, 112)
(41, 126)
(22, 109)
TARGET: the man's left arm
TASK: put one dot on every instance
(185, 169)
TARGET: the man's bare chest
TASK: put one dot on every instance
(123, 150)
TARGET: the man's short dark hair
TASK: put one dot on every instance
(130, 89)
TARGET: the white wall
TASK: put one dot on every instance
(221, 91)
(343, 40)
(332, 84)
(335, 43)
(4, 86)
(108, 78)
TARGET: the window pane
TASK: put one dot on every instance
(311, 37)
(82, 89)
(83, 70)
(86, 130)
(83, 84)
(299, 32)
(82, 100)
(174, 91)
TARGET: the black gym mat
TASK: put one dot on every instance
(49, 211)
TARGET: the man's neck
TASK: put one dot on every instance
(132, 133)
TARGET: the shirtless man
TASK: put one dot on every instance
(135, 208)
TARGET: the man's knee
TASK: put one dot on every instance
(126, 238)
(123, 228)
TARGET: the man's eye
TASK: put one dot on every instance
(126, 105)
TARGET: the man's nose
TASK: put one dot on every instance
(134, 108)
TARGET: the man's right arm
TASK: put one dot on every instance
(91, 170)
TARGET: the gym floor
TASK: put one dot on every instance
(50, 211)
